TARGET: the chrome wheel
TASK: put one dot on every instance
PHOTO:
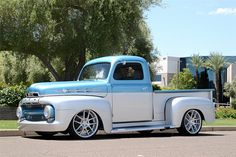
(192, 123)
(84, 124)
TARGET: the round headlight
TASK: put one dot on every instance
(48, 112)
(19, 112)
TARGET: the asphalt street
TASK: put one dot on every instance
(206, 144)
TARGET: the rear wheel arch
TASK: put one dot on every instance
(199, 110)
(201, 113)
(101, 126)
(176, 108)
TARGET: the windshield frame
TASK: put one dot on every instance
(89, 65)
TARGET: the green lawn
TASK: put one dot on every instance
(222, 122)
(8, 124)
(12, 124)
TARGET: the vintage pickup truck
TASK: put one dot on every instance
(113, 94)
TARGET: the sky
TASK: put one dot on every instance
(186, 27)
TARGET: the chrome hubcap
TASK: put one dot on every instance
(85, 123)
(192, 121)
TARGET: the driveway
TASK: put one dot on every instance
(206, 144)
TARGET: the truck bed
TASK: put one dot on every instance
(160, 97)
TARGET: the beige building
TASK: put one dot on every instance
(231, 72)
(167, 67)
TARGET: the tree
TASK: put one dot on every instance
(17, 69)
(183, 80)
(72, 30)
(14, 69)
(197, 62)
(230, 91)
(204, 79)
(142, 45)
(216, 62)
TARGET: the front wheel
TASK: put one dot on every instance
(84, 124)
(191, 123)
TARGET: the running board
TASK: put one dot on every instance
(138, 128)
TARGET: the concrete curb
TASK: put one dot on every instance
(10, 132)
(15, 132)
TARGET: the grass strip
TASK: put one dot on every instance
(12, 124)
(8, 124)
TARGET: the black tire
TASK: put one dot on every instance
(191, 123)
(84, 125)
(64, 132)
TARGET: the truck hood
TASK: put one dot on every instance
(94, 88)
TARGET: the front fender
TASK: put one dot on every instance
(71, 105)
(177, 107)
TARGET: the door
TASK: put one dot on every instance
(132, 94)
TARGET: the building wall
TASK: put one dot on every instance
(166, 78)
(231, 72)
(167, 67)
(207, 76)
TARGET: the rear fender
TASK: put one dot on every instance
(177, 107)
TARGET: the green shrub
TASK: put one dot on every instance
(230, 91)
(168, 88)
(233, 103)
(183, 80)
(11, 96)
(156, 86)
(2, 85)
(224, 113)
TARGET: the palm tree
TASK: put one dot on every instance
(197, 61)
(216, 62)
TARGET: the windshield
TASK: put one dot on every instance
(97, 71)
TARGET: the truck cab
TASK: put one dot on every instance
(114, 94)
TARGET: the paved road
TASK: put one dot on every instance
(207, 144)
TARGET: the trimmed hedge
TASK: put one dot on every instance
(11, 95)
(225, 113)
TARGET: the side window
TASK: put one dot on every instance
(128, 71)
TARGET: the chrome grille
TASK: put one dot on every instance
(32, 94)
(33, 112)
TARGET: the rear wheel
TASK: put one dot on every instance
(191, 123)
(84, 124)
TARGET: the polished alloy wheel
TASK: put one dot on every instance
(85, 124)
(192, 122)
